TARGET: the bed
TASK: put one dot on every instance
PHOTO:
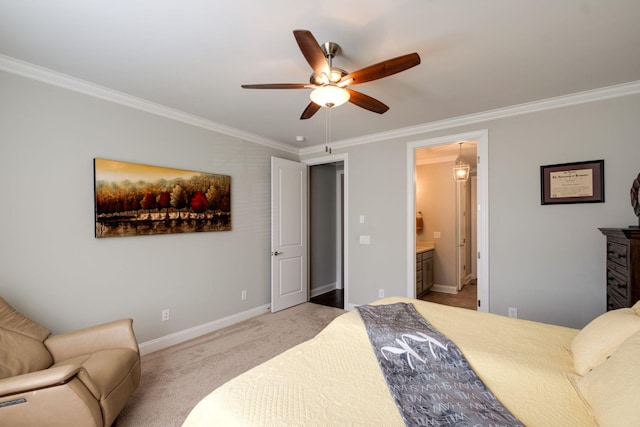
(545, 375)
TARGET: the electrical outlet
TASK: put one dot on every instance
(243, 295)
(165, 315)
(513, 312)
(380, 293)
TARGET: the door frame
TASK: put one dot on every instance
(461, 235)
(344, 158)
(482, 238)
(339, 226)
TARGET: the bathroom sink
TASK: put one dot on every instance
(424, 246)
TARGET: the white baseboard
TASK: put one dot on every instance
(323, 289)
(445, 289)
(191, 333)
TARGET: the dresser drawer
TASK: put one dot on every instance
(614, 301)
(617, 253)
(619, 269)
(617, 283)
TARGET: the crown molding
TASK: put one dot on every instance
(615, 91)
(45, 75)
(436, 159)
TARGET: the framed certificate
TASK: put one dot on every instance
(579, 182)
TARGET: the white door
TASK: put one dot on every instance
(289, 285)
(461, 192)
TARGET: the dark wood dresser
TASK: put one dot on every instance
(623, 266)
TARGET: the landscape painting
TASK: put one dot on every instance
(133, 199)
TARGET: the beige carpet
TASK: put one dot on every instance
(175, 379)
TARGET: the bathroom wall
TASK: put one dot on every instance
(436, 199)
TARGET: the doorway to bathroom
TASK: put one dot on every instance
(448, 220)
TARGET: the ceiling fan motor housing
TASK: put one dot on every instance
(335, 75)
(330, 50)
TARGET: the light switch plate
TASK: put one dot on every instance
(365, 240)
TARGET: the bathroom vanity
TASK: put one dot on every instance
(424, 268)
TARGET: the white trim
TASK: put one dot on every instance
(344, 158)
(339, 225)
(323, 289)
(482, 191)
(482, 136)
(435, 160)
(615, 91)
(25, 69)
(197, 331)
(444, 289)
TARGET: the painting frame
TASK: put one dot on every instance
(134, 199)
(570, 183)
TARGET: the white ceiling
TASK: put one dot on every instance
(193, 55)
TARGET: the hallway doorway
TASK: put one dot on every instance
(327, 247)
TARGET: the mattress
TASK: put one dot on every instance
(334, 379)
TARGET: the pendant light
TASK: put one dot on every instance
(460, 168)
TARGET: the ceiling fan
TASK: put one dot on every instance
(331, 85)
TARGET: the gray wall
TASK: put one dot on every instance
(548, 261)
(51, 266)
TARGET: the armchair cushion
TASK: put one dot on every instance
(22, 348)
(104, 370)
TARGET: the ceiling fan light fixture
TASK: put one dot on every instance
(336, 75)
(329, 96)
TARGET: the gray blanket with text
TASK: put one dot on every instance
(429, 378)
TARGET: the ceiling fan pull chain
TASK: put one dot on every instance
(327, 148)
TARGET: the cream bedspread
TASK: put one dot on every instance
(334, 379)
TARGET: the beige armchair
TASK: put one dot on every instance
(82, 378)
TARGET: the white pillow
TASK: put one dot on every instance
(611, 388)
(602, 336)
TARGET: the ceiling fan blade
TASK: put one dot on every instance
(311, 109)
(312, 51)
(382, 69)
(367, 102)
(278, 86)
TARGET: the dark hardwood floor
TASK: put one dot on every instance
(333, 298)
(466, 298)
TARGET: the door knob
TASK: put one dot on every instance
(276, 253)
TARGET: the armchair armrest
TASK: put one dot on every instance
(37, 380)
(116, 334)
